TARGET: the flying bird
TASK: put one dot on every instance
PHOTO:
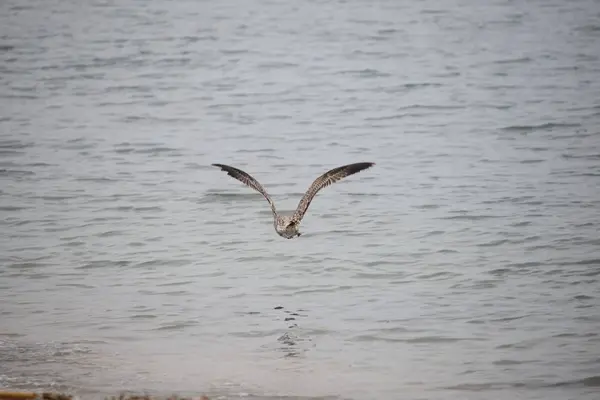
(287, 226)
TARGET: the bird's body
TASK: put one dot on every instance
(288, 226)
(285, 227)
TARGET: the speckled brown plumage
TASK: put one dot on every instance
(286, 226)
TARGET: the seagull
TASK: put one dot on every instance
(287, 226)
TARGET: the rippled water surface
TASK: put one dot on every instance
(464, 265)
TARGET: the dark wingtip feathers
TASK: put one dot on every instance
(360, 166)
(352, 169)
(231, 171)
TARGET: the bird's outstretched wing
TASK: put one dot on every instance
(325, 180)
(248, 180)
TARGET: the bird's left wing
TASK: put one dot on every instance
(325, 180)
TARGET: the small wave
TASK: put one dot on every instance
(481, 284)
(592, 157)
(103, 264)
(143, 316)
(157, 150)
(255, 333)
(252, 258)
(493, 243)
(9, 153)
(366, 73)
(14, 144)
(446, 251)
(500, 271)
(12, 334)
(76, 285)
(130, 208)
(14, 172)
(157, 263)
(521, 223)
(591, 381)
(385, 117)
(442, 275)
(376, 338)
(590, 261)
(422, 84)
(138, 144)
(178, 283)
(427, 206)
(374, 275)
(479, 387)
(277, 65)
(110, 234)
(13, 208)
(215, 197)
(413, 340)
(39, 164)
(589, 28)
(508, 319)
(251, 151)
(330, 289)
(520, 60)
(175, 326)
(471, 217)
(432, 233)
(441, 339)
(531, 128)
(525, 344)
(509, 362)
(54, 198)
(435, 107)
(574, 335)
(96, 179)
(583, 297)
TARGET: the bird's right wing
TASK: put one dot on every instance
(248, 180)
(325, 180)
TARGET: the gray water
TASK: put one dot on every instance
(464, 265)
